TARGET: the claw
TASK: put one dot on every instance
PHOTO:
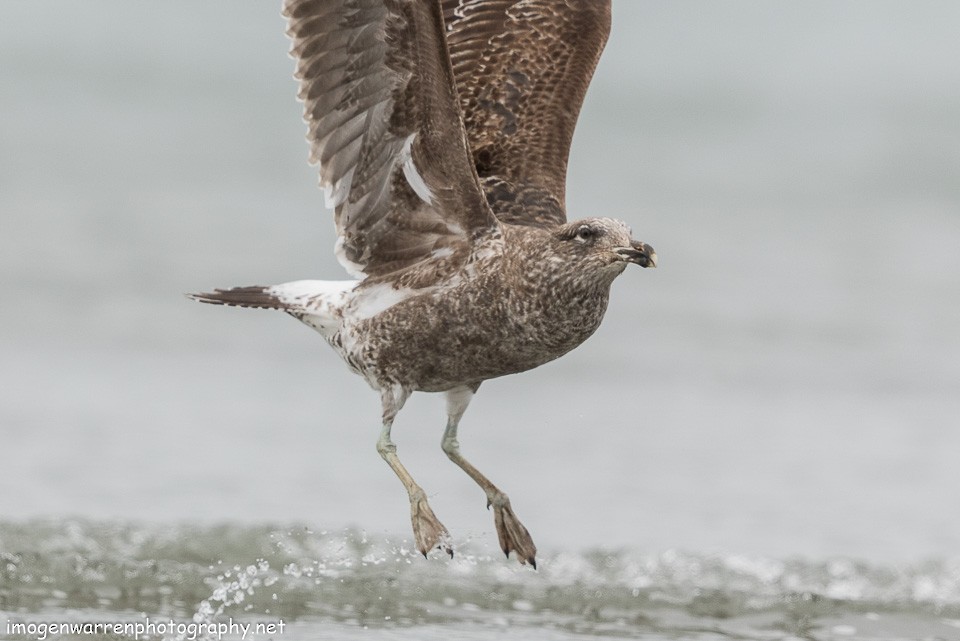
(513, 536)
(428, 531)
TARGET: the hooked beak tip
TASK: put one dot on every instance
(639, 254)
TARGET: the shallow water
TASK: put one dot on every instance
(349, 585)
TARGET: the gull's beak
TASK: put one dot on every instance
(638, 253)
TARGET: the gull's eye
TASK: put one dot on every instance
(585, 232)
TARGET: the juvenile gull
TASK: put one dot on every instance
(442, 129)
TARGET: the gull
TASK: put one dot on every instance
(442, 130)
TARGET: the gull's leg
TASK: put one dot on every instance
(428, 532)
(513, 536)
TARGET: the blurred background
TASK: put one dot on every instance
(786, 383)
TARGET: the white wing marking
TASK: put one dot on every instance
(352, 268)
(411, 173)
(379, 298)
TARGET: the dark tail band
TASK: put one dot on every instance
(256, 296)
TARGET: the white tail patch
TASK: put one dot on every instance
(318, 303)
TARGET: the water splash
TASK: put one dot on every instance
(206, 573)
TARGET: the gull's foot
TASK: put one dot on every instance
(513, 536)
(428, 532)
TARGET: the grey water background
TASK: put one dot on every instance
(786, 384)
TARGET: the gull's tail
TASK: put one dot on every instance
(256, 296)
(318, 303)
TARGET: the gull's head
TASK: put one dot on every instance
(602, 245)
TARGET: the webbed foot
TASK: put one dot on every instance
(428, 532)
(513, 536)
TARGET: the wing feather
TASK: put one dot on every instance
(522, 70)
(384, 124)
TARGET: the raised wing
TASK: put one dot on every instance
(386, 130)
(522, 69)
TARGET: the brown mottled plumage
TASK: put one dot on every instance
(442, 130)
(522, 71)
